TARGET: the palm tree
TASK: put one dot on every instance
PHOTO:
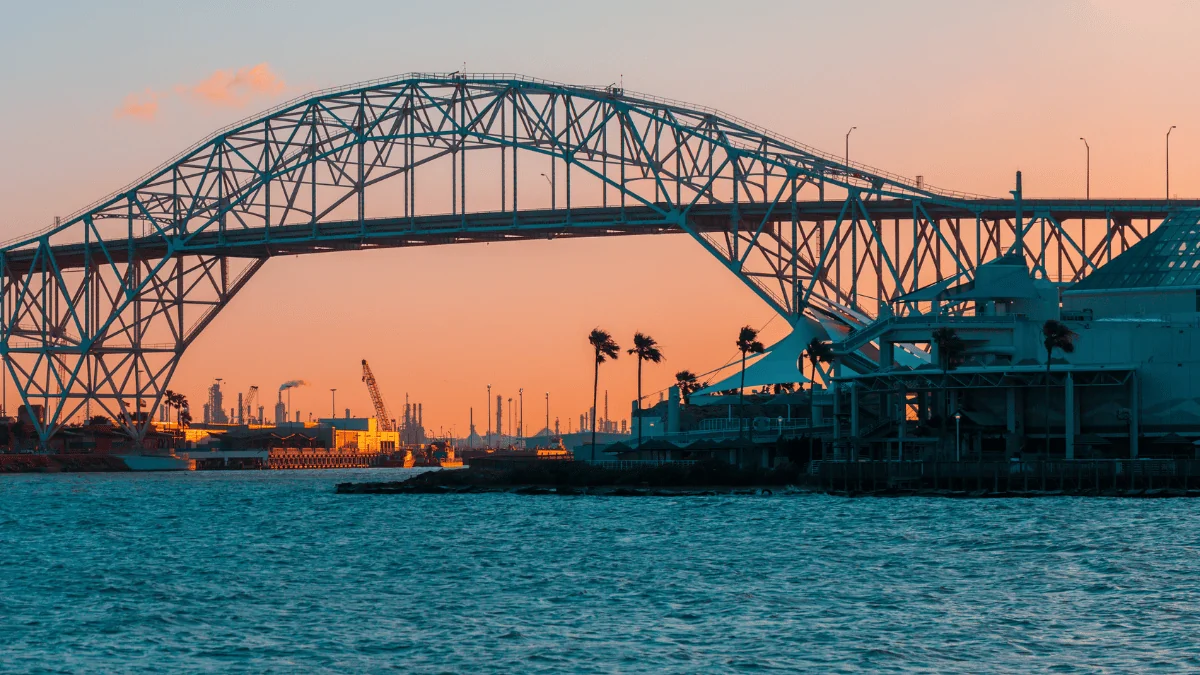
(646, 349)
(747, 343)
(605, 348)
(168, 400)
(688, 384)
(185, 414)
(818, 351)
(1057, 336)
(951, 348)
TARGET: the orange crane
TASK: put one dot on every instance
(251, 397)
(383, 419)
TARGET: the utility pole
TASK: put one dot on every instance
(333, 403)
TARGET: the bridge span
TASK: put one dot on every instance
(100, 308)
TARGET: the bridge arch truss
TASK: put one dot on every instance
(100, 308)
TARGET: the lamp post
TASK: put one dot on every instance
(1089, 166)
(958, 436)
(1169, 162)
(848, 151)
(521, 413)
(548, 433)
(333, 403)
(489, 416)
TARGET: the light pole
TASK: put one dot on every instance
(521, 414)
(548, 416)
(1089, 167)
(333, 404)
(958, 436)
(1169, 162)
(848, 151)
(489, 417)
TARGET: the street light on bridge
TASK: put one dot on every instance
(848, 151)
(1089, 166)
(1169, 161)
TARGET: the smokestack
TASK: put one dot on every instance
(499, 415)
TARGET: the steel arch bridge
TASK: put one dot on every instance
(100, 307)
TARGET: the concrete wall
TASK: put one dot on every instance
(1157, 304)
(1167, 356)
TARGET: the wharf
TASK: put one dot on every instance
(1003, 478)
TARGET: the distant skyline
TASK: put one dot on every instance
(961, 93)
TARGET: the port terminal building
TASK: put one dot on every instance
(1130, 386)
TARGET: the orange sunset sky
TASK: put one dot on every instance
(962, 93)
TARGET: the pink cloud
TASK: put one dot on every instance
(234, 88)
(142, 107)
(237, 88)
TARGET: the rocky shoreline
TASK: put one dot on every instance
(580, 478)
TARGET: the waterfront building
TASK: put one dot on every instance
(1127, 389)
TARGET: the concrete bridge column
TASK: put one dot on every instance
(887, 353)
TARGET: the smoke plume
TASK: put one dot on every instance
(293, 383)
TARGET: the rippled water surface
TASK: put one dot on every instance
(273, 572)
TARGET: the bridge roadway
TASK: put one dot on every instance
(264, 242)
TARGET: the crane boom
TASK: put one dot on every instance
(383, 419)
(251, 397)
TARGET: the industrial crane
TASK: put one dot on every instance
(384, 420)
(251, 398)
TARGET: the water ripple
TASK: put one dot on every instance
(273, 572)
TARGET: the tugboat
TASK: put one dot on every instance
(400, 459)
(439, 454)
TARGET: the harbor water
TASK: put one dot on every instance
(273, 572)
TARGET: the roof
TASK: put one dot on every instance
(780, 364)
(1169, 257)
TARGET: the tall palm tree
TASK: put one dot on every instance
(688, 383)
(1057, 336)
(818, 351)
(605, 348)
(184, 415)
(646, 349)
(747, 343)
(168, 400)
(951, 348)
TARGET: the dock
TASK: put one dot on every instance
(1010, 478)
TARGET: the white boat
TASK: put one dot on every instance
(158, 463)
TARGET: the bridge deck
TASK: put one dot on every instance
(548, 224)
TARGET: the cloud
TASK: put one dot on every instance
(226, 88)
(142, 107)
(237, 88)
